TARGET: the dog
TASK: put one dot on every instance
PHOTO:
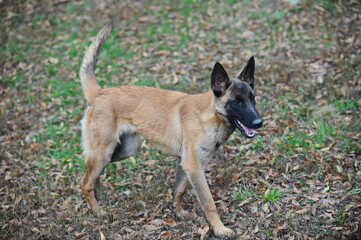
(191, 127)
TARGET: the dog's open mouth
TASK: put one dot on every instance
(247, 132)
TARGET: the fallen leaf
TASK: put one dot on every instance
(150, 162)
(247, 34)
(339, 156)
(277, 229)
(265, 207)
(11, 15)
(151, 228)
(339, 169)
(102, 237)
(34, 147)
(256, 229)
(162, 53)
(219, 179)
(203, 231)
(175, 78)
(302, 211)
(243, 203)
(310, 182)
(277, 141)
(348, 163)
(325, 189)
(148, 178)
(79, 234)
(169, 222)
(164, 235)
(53, 60)
(144, 19)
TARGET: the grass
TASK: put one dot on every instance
(243, 193)
(248, 193)
(146, 81)
(356, 190)
(339, 219)
(271, 195)
(312, 125)
(347, 105)
(315, 127)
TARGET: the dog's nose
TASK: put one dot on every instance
(257, 123)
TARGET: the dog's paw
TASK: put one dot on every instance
(224, 232)
(102, 213)
(99, 212)
(181, 213)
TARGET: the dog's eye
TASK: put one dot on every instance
(239, 99)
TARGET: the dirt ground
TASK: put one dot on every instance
(300, 178)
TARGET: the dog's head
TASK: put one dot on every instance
(234, 98)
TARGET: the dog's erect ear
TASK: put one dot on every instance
(219, 80)
(248, 72)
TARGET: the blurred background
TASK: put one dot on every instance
(299, 178)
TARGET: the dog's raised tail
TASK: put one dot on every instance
(87, 77)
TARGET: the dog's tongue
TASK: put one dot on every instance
(248, 131)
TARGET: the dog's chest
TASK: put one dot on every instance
(214, 139)
(220, 134)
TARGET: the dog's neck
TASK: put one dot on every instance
(217, 120)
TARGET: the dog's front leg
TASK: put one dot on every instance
(193, 168)
(180, 188)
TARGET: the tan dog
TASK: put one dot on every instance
(189, 126)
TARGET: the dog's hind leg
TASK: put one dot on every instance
(180, 188)
(90, 183)
(99, 145)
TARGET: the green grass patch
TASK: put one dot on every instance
(258, 144)
(146, 81)
(270, 195)
(243, 193)
(347, 105)
(63, 145)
